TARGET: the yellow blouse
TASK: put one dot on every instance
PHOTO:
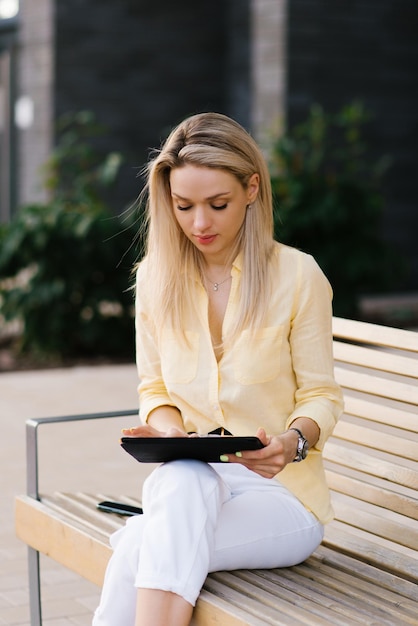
(268, 378)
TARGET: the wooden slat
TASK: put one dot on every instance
(376, 440)
(220, 584)
(378, 552)
(382, 414)
(65, 541)
(404, 590)
(293, 595)
(379, 522)
(347, 599)
(376, 359)
(353, 330)
(380, 387)
(369, 479)
(376, 586)
(375, 494)
(82, 506)
(215, 609)
(391, 471)
(365, 597)
(274, 607)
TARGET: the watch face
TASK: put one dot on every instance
(302, 450)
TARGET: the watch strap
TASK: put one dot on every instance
(302, 447)
(299, 432)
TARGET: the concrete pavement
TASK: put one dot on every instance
(69, 462)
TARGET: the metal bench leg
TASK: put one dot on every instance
(32, 490)
(34, 588)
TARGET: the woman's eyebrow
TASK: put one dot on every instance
(217, 195)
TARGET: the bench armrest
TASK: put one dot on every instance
(32, 469)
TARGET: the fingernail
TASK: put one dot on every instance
(238, 454)
(224, 458)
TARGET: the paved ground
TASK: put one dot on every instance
(68, 462)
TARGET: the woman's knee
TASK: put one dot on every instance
(182, 479)
(181, 471)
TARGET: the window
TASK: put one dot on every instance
(8, 9)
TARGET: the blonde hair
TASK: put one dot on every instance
(173, 262)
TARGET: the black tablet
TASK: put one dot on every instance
(207, 448)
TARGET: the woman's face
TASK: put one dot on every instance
(210, 206)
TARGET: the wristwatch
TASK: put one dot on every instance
(302, 449)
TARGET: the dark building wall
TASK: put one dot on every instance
(339, 50)
(142, 66)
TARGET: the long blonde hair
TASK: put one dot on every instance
(173, 262)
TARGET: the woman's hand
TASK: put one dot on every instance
(149, 431)
(279, 450)
(164, 421)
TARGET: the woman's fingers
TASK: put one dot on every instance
(142, 431)
(175, 432)
(149, 431)
(267, 461)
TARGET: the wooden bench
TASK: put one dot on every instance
(366, 569)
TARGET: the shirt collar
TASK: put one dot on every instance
(238, 263)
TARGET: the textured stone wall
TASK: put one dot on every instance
(143, 66)
(339, 51)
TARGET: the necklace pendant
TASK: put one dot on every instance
(215, 286)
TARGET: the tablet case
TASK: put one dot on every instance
(207, 448)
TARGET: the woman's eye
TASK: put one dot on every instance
(219, 208)
(183, 208)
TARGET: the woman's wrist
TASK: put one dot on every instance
(164, 418)
(309, 429)
(291, 444)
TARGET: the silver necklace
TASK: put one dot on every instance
(217, 285)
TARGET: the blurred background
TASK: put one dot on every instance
(88, 87)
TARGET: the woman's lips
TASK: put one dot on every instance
(205, 240)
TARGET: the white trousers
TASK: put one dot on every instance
(201, 518)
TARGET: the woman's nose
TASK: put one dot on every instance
(201, 219)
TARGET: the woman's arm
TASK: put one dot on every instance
(164, 421)
(165, 418)
(279, 450)
(157, 413)
(318, 396)
(308, 428)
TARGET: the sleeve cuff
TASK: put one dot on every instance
(324, 417)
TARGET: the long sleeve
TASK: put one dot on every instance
(317, 395)
(152, 389)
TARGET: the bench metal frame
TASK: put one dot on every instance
(32, 490)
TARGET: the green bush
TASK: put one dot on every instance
(65, 267)
(328, 202)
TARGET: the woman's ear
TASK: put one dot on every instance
(253, 187)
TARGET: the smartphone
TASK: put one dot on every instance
(119, 507)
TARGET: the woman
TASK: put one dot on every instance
(233, 331)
